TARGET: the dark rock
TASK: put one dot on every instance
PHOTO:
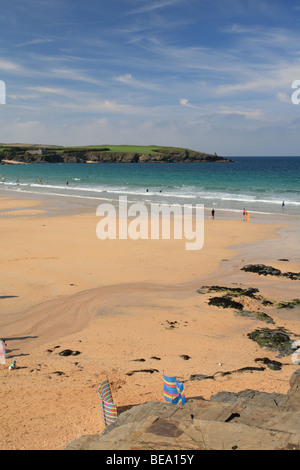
(51, 350)
(200, 377)
(229, 372)
(264, 270)
(273, 365)
(225, 302)
(261, 269)
(150, 371)
(69, 352)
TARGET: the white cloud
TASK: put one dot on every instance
(129, 80)
(8, 66)
(256, 114)
(185, 102)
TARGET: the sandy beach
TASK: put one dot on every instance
(128, 310)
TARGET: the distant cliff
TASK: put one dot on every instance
(112, 154)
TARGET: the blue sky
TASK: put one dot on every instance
(214, 76)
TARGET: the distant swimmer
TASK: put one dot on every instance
(147, 190)
(67, 183)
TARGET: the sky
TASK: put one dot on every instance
(213, 76)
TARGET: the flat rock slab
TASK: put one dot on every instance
(248, 420)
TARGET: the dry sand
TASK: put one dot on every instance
(113, 301)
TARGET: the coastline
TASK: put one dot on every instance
(115, 306)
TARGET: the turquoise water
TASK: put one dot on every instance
(259, 184)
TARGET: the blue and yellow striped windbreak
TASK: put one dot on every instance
(108, 408)
(173, 390)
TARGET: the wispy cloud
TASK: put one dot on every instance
(74, 75)
(35, 41)
(8, 66)
(265, 79)
(151, 6)
(256, 114)
(49, 90)
(128, 79)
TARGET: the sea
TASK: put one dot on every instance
(261, 185)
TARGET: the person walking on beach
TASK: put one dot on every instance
(244, 214)
(213, 214)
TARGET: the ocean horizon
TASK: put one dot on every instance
(258, 184)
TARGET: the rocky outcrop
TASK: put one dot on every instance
(294, 392)
(264, 270)
(249, 420)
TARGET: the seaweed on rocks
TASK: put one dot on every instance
(289, 305)
(230, 291)
(273, 340)
(256, 315)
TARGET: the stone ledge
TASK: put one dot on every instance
(249, 420)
